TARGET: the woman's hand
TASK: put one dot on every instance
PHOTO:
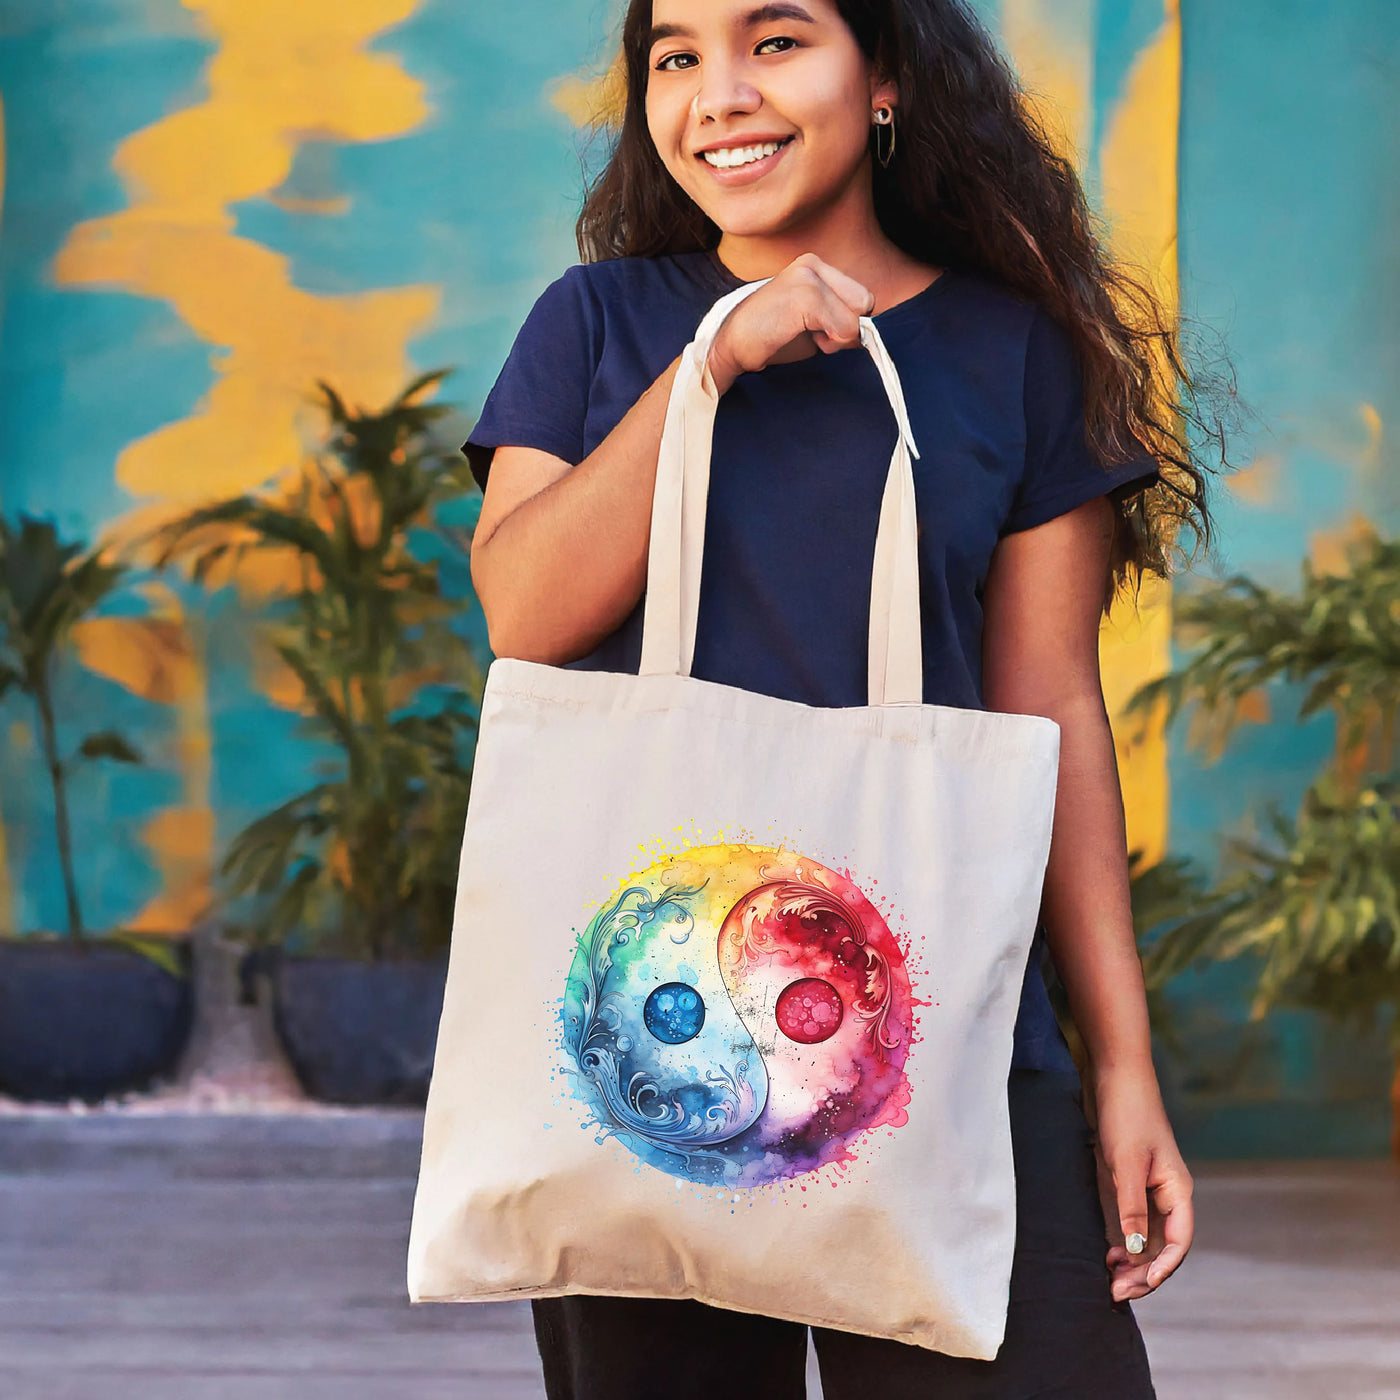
(1143, 1180)
(809, 306)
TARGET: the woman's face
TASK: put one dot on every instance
(726, 75)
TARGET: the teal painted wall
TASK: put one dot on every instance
(1289, 211)
(464, 179)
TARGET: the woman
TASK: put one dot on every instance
(871, 157)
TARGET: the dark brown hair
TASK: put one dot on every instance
(975, 183)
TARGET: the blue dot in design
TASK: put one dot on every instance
(674, 1013)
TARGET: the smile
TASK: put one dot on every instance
(751, 160)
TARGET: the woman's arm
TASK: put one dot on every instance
(1041, 656)
(559, 554)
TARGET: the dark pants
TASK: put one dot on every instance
(1066, 1339)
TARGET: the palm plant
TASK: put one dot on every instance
(1317, 902)
(366, 858)
(47, 586)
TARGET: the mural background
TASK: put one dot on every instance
(209, 204)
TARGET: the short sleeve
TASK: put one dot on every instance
(540, 397)
(1061, 471)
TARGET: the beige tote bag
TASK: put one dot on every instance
(733, 979)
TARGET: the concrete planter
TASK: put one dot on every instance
(83, 1021)
(359, 1032)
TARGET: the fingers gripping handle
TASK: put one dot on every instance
(674, 555)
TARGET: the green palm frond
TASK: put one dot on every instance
(1310, 901)
(1318, 906)
(107, 743)
(259, 524)
(1340, 632)
(47, 586)
(369, 856)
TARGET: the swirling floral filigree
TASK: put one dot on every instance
(753, 938)
(635, 1103)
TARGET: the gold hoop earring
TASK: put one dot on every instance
(884, 117)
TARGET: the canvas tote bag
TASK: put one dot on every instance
(733, 979)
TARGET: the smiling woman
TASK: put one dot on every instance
(795, 149)
(966, 178)
(855, 162)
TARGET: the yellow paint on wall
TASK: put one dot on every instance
(281, 76)
(1138, 164)
(1134, 646)
(1258, 483)
(1138, 160)
(1051, 43)
(181, 839)
(1352, 436)
(1375, 435)
(1327, 548)
(586, 100)
(149, 656)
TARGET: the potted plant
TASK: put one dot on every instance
(80, 1016)
(347, 888)
(1315, 903)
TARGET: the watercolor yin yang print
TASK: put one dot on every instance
(739, 1015)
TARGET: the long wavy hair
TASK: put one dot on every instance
(974, 183)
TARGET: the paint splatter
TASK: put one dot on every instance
(764, 1055)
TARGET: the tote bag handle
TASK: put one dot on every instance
(674, 556)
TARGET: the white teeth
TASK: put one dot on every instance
(728, 157)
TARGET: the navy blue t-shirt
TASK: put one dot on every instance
(798, 468)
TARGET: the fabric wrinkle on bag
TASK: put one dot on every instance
(733, 979)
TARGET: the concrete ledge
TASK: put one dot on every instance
(354, 1145)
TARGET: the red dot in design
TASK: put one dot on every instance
(809, 1011)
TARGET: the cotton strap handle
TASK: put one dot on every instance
(674, 556)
